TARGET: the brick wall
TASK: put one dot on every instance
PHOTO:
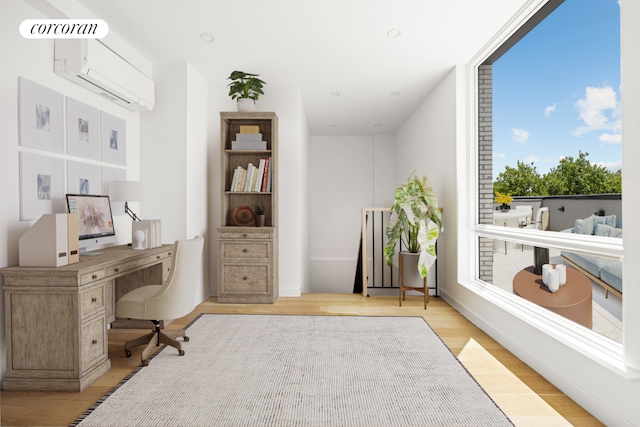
(485, 167)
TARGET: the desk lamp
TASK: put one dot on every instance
(126, 191)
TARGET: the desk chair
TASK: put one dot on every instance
(176, 298)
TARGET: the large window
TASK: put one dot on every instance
(549, 136)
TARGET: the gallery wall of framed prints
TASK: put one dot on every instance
(66, 146)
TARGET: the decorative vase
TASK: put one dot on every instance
(246, 104)
(259, 220)
(540, 258)
(504, 208)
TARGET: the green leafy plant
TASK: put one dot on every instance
(416, 220)
(260, 209)
(245, 85)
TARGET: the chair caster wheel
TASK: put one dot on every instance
(181, 353)
(144, 363)
(127, 353)
(185, 339)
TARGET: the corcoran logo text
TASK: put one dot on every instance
(64, 28)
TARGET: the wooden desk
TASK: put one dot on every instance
(56, 318)
(573, 300)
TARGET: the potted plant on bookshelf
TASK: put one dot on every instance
(246, 88)
(260, 215)
(415, 220)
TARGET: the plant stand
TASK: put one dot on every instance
(424, 289)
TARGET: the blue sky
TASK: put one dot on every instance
(557, 91)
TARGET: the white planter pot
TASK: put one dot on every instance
(246, 104)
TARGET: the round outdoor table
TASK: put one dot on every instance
(573, 300)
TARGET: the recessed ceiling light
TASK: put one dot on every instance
(393, 33)
(206, 37)
(395, 93)
(377, 125)
(333, 125)
(336, 94)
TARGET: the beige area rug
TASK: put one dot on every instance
(272, 370)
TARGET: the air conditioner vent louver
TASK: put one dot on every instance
(94, 66)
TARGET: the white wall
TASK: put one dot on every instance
(173, 151)
(33, 59)
(346, 174)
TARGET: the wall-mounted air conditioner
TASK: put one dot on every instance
(94, 66)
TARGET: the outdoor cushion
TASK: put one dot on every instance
(591, 263)
(612, 274)
(583, 226)
(609, 220)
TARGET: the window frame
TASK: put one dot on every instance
(593, 345)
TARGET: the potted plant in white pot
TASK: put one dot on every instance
(246, 88)
(416, 220)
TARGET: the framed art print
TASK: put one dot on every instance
(83, 130)
(83, 178)
(41, 185)
(41, 117)
(113, 140)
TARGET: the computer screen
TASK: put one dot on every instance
(95, 220)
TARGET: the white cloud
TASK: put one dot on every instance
(550, 109)
(609, 138)
(599, 110)
(611, 166)
(530, 159)
(499, 155)
(520, 135)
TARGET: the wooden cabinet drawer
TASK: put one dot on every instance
(94, 340)
(249, 235)
(255, 251)
(92, 300)
(245, 279)
(94, 276)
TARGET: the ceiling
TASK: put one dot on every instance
(353, 78)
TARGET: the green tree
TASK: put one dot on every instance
(576, 176)
(522, 180)
(613, 182)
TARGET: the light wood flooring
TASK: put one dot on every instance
(526, 397)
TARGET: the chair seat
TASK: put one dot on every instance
(133, 304)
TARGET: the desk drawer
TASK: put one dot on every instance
(92, 300)
(132, 265)
(94, 340)
(94, 276)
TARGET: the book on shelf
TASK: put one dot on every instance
(265, 175)
(249, 129)
(248, 145)
(234, 181)
(248, 137)
(268, 189)
(241, 178)
(258, 184)
(249, 181)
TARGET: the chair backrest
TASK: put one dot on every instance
(544, 219)
(180, 293)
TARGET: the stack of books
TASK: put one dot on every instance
(249, 138)
(253, 179)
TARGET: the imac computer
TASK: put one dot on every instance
(95, 220)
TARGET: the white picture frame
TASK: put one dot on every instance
(83, 178)
(83, 130)
(41, 117)
(113, 141)
(41, 185)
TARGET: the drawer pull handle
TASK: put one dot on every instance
(157, 256)
(244, 278)
(169, 253)
(245, 251)
(94, 276)
(94, 299)
(117, 270)
(244, 235)
(94, 342)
